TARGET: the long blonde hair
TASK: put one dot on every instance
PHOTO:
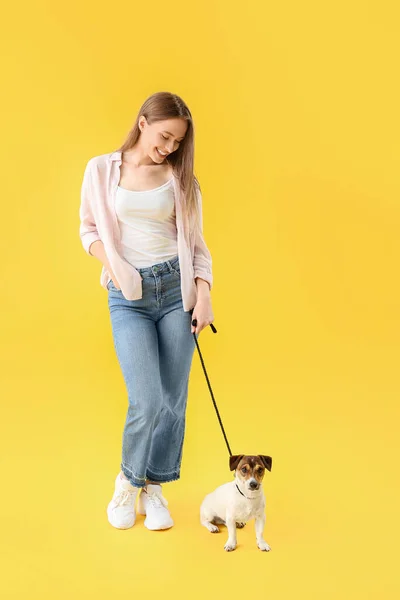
(159, 107)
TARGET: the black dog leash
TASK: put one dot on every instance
(194, 323)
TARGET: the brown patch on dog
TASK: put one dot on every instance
(234, 461)
(267, 461)
(248, 466)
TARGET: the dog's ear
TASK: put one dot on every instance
(234, 461)
(267, 461)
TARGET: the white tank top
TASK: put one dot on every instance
(147, 223)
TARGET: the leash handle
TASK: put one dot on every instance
(194, 323)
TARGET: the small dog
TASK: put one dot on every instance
(234, 503)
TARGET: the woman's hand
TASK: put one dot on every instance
(203, 313)
(114, 280)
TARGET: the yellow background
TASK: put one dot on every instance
(297, 150)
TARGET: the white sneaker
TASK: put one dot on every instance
(153, 504)
(121, 509)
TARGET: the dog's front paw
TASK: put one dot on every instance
(240, 525)
(229, 546)
(263, 546)
(213, 528)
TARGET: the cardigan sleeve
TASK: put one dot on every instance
(202, 261)
(88, 229)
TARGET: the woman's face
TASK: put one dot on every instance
(163, 137)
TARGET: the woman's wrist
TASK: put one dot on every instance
(203, 288)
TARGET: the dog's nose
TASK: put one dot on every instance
(253, 485)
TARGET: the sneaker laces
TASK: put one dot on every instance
(124, 497)
(156, 500)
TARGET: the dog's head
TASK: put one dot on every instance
(250, 469)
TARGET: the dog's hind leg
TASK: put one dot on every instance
(206, 519)
(210, 526)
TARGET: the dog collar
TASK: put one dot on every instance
(243, 494)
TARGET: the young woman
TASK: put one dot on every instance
(141, 216)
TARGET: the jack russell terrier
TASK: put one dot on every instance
(234, 503)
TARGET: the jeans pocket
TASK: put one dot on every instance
(111, 286)
(176, 271)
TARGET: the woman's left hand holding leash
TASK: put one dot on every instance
(203, 313)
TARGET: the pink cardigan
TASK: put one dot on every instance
(99, 222)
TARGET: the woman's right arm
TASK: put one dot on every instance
(89, 235)
(97, 250)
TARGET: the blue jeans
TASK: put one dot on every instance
(154, 345)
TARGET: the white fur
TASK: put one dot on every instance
(227, 505)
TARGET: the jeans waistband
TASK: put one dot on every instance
(161, 267)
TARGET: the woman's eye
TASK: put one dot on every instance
(165, 138)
